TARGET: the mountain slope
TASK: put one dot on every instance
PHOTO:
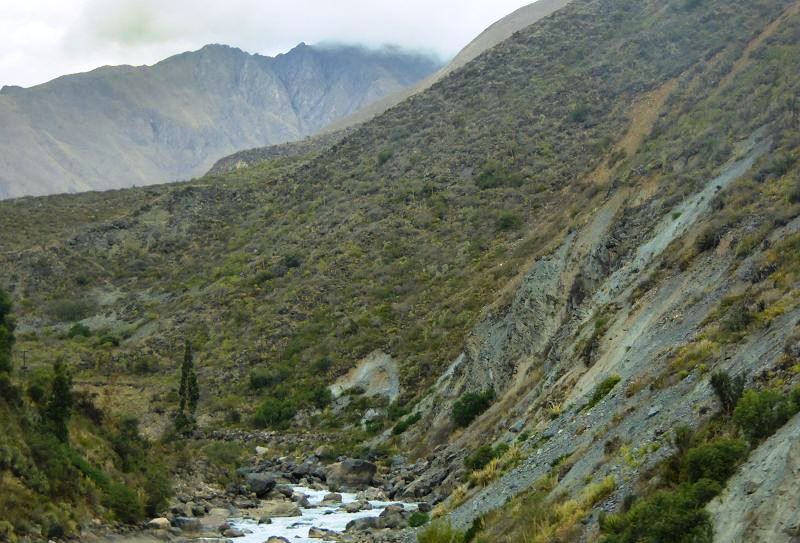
(122, 126)
(591, 219)
(495, 34)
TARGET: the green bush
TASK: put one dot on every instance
(267, 377)
(674, 517)
(760, 413)
(274, 413)
(406, 423)
(495, 174)
(508, 221)
(603, 390)
(125, 504)
(483, 455)
(440, 531)
(70, 310)
(79, 330)
(418, 519)
(716, 460)
(728, 390)
(470, 406)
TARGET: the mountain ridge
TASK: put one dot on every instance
(121, 126)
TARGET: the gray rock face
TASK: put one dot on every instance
(760, 503)
(351, 473)
(121, 126)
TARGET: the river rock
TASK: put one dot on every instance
(274, 509)
(332, 497)
(276, 539)
(159, 524)
(322, 533)
(260, 483)
(351, 473)
(300, 499)
(233, 532)
(361, 524)
(424, 507)
(394, 517)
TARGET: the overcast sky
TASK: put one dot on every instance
(42, 39)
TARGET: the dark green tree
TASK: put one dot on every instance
(6, 332)
(189, 392)
(58, 410)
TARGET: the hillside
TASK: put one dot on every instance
(124, 126)
(565, 251)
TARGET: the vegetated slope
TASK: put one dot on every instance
(394, 239)
(686, 273)
(332, 133)
(564, 181)
(495, 34)
(124, 126)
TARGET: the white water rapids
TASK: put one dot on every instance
(295, 529)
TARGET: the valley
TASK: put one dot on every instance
(552, 296)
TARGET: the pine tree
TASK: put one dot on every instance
(189, 392)
(59, 406)
(6, 333)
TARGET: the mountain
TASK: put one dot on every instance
(122, 126)
(495, 34)
(554, 295)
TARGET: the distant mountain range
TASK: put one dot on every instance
(122, 126)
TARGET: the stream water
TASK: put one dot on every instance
(295, 529)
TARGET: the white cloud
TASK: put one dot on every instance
(41, 39)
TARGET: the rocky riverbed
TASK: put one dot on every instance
(282, 499)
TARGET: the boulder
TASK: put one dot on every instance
(233, 532)
(159, 524)
(374, 494)
(332, 497)
(322, 533)
(424, 507)
(276, 539)
(260, 483)
(394, 517)
(362, 524)
(276, 508)
(351, 473)
(301, 499)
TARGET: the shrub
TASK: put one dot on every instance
(70, 310)
(79, 330)
(495, 174)
(728, 389)
(716, 460)
(760, 413)
(406, 423)
(508, 221)
(274, 413)
(707, 239)
(483, 455)
(470, 405)
(418, 519)
(384, 155)
(124, 503)
(603, 390)
(267, 378)
(676, 517)
(440, 531)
